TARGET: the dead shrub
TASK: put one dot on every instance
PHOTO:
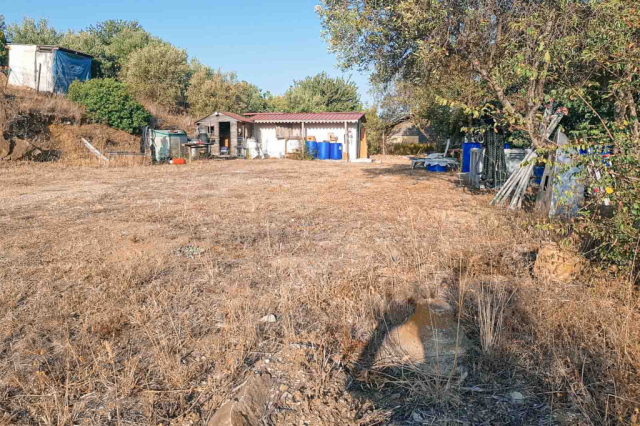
(491, 300)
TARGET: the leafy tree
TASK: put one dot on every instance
(3, 43)
(611, 46)
(30, 32)
(375, 127)
(510, 49)
(110, 43)
(159, 73)
(276, 103)
(252, 98)
(108, 101)
(214, 90)
(321, 93)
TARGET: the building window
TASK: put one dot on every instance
(289, 131)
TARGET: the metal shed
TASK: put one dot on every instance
(47, 68)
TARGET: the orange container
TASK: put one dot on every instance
(178, 161)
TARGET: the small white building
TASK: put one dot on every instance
(280, 134)
(46, 68)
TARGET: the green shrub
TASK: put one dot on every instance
(614, 181)
(108, 101)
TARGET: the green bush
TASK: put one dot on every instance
(108, 101)
(615, 182)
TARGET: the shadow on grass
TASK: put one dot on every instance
(481, 393)
(405, 170)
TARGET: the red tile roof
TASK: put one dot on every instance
(286, 117)
(282, 117)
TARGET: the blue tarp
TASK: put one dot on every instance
(68, 67)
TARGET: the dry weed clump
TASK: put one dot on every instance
(492, 301)
(135, 295)
(52, 106)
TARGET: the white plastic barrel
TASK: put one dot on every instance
(252, 148)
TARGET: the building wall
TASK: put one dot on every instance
(266, 136)
(22, 62)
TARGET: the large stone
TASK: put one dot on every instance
(247, 408)
(558, 264)
(429, 339)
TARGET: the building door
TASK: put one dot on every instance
(363, 143)
(225, 138)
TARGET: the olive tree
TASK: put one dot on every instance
(31, 32)
(321, 93)
(214, 90)
(158, 72)
(110, 43)
(508, 48)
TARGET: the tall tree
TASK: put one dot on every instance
(611, 48)
(214, 90)
(508, 47)
(111, 43)
(158, 73)
(31, 32)
(322, 93)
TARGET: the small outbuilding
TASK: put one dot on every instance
(47, 68)
(279, 134)
(226, 131)
(403, 130)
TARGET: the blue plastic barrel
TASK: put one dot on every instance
(431, 168)
(538, 171)
(324, 150)
(336, 151)
(440, 169)
(312, 148)
(466, 155)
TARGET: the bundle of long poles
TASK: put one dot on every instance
(517, 184)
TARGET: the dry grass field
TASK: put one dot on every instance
(133, 295)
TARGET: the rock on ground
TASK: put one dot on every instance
(558, 264)
(247, 408)
(428, 339)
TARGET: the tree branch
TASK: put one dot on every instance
(595, 112)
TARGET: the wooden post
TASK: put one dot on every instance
(38, 82)
(6, 83)
(233, 139)
(304, 140)
(216, 138)
(384, 133)
(364, 149)
(346, 139)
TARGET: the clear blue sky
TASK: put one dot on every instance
(268, 43)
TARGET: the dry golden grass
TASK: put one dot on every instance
(133, 296)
